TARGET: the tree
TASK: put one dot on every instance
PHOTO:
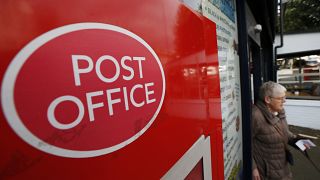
(302, 16)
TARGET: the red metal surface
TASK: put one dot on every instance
(186, 45)
(196, 173)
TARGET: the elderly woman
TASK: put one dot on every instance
(270, 134)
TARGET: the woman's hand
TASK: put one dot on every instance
(255, 174)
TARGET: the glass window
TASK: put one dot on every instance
(301, 76)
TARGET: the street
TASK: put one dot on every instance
(303, 168)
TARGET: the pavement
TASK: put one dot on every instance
(303, 168)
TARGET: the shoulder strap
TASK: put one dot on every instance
(281, 133)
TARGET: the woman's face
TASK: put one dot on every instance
(277, 101)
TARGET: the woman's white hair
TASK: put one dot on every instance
(270, 89)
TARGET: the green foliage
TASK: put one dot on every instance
(302, 16)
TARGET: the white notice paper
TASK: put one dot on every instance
(302, 142)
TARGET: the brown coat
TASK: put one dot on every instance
(268, 145)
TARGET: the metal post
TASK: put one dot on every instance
(281, 41)
(245, 90)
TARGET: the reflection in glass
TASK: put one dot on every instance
(301, 76)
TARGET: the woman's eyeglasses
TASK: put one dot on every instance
(279, 98)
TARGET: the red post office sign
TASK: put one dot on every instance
(83, 90)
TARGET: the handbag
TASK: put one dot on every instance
(289, 156)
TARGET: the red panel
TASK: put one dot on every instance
(197, 172)
(186, 45)
(214, 100)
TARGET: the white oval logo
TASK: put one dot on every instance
(83, 90)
